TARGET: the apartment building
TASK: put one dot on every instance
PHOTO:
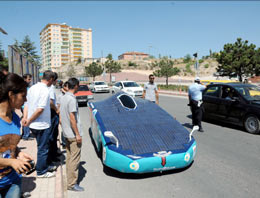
(61, 44)
(133, 56)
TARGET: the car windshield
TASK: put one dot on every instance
(83, 88)
(100, 83)
(131, 84)
(249, 92)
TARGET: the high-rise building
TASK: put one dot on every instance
(62, 44)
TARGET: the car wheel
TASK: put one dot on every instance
(252, 124)
(112, 91)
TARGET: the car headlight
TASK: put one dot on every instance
(129, 90)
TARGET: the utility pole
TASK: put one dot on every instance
(196, 65)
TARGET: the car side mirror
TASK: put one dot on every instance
(110, 135)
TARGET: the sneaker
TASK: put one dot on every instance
(46, 175)
(76, 187)
(52, 168)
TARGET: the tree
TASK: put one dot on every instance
(112, 66)
(256, 67)
(187, 58)
(94, 70)
(30, 50)
(166, 69)
(237, 59)
(3, 59)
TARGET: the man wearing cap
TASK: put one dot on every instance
(195, 102)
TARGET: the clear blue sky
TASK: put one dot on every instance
(168, 28)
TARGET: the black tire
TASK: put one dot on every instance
(252, 124)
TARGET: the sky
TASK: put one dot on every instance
(168, 28)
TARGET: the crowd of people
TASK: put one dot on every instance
(42, 111)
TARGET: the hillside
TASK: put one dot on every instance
(139, 70)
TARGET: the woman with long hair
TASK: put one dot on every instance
(13, 162)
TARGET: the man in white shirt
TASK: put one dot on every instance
(37, 116)
(151, 90)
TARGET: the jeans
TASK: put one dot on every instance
(26, 132)
(43, 145)
(53, 138)
(12, 191)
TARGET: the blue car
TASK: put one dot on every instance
(135, 135)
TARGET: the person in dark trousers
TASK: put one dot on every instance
(26, 130)
(195, 102)
(63, 90)
(37, 115)
(53, 151)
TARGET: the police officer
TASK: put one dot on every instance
(195, 102)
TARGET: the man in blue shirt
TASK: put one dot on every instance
(195, 101)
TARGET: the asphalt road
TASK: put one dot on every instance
(227, 164)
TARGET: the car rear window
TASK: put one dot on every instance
(83, 88)
(99, 83)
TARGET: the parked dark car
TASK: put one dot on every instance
(235, 103)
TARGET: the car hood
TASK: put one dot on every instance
(100, 86)
(134, 88)
(83, 93)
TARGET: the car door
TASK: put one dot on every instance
(117, 87)
(211, 100)
(236, 109)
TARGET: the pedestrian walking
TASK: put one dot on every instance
(13, 162)
(26, 130)
(151, 90)
(70, 123)
(37, 116)
(195, 102)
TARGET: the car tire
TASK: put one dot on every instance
(112, 91)
(252, 124)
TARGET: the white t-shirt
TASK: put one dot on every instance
(52, 94)
(38, 97)
(150, 91)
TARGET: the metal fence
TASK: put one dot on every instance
(19, 64)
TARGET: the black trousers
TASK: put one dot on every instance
(197, 112)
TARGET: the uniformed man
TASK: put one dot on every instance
(195, 101)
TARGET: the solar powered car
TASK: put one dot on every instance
(135, 135)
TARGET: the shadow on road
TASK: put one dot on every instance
(188, 125)
(113, 173)
(28, 184)
(82, 171)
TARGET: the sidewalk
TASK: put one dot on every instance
(38, 187)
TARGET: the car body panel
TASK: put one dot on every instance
(83, 95)
(137, 152)
(99, 86)
(134, 91)
(233, 110)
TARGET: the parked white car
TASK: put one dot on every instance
(99, 86)
(129, 87)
